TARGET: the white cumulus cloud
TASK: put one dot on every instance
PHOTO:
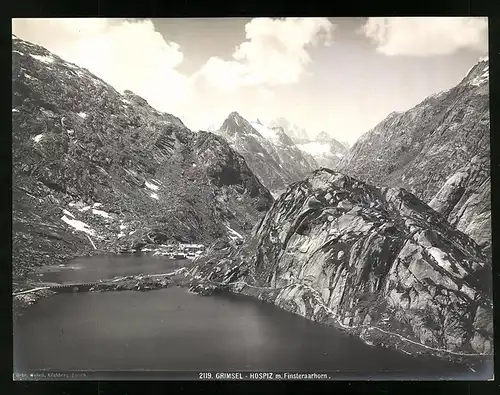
(427, 36)
(275, 53)
(127, 54)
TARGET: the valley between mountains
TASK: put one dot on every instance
(389, 240)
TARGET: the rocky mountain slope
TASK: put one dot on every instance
(374, 261)
(439, 150)
(95, 170)
(269, 152)
(325, 150)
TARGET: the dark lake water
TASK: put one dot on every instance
(172, 329)
(108, 266)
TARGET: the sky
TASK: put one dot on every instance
(338, 75)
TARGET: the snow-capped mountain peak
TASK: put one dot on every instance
(484, 77)
(212, 128)
(296, 133)
(479, 73)
(265, 131)
(269, 152)
(323, 137)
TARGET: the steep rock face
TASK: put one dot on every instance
(94, 169)
(346, 144)
(377, 261)
(465, 199)
(286, 152)
(269, 152)
(430, 147)
(327, 151)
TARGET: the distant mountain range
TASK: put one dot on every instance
(296, 133)
(269, 152)
(280, 153)
(325, 149)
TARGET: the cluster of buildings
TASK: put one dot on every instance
(183, 251)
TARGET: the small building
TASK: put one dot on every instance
(169, 247)
(192, 248)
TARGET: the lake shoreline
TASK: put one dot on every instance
(133, 330)
(22, 302)
(183, 279)
(375, 337)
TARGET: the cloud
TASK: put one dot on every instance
(266, 94)
(221, 74)
(126, 54)
(275, 53)
(427, 36)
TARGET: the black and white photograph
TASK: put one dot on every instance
(268, 198)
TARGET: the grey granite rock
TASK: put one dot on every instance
(93, 168)
(439, 150)
(385, 263)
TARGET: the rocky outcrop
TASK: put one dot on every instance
(439, 150)
(95, 170)
(133, 283)
(375, 261)
(269, 152)
(465, 200)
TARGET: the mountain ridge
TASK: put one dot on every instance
(345, 253)
(270, 152)
(327, 151)
(96, 171)
(430, 145)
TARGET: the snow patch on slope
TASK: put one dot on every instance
(485, 75)
(68, 213)
(265, 132)
(314, 148)
(438, 94)
(101, 213)
(37, 138)
(233, 234)
(43, 59)
(78, 225)
(442, 260)
(153, 187)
